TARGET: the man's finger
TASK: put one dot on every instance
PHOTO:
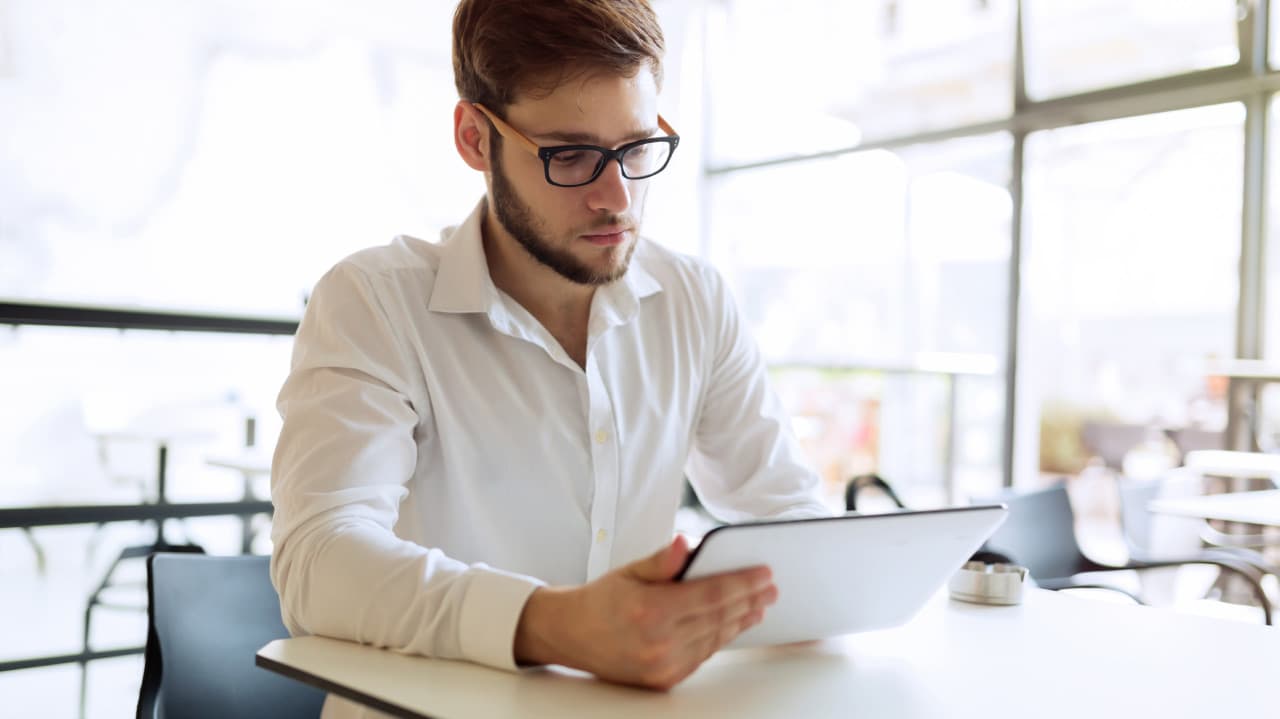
(662, 565)
(754, 597)
(709, 593)
(699, 626)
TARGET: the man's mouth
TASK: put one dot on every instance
(607, 236)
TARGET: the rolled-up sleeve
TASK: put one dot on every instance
(745, 463)
(354, 407)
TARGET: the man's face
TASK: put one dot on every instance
(587, 234)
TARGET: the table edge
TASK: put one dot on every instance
(333, 687)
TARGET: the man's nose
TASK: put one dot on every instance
(610, 192)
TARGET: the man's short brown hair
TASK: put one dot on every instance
(506, 48)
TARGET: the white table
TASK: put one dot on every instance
(250, 464)
(1233, 465)
(1054, 656)
(1246, 507)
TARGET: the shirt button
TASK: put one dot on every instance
(602, 437)
(601, 536)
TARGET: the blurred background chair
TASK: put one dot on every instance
(36, 549)
(1183, 538)
(1039, 534)
(1195, 439)
(1136, 521)
(1135, 495)
(874, 491)
(1111, 441)
(135, 434)
(207, 618)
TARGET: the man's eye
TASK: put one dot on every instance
(567, 158)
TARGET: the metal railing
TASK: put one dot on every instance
(67, 315)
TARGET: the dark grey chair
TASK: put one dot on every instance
(1039, 534)
(207, 617)
(874, 484)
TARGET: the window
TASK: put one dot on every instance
(1268, 411)
(815, 75)
(67, 388)
(223, 164)
(1131, 271)
(871, 255)
(878, 259)
(1084, 45)
(1271, 312)
(75, 400)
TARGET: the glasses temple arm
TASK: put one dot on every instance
(506, 130)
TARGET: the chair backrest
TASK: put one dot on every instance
(1109, 441)
(1135, 518)
(865, 484)
(207, 617)
(1151, 537)
(1039, 533)
(1191, 439)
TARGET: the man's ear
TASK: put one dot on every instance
(471, 135)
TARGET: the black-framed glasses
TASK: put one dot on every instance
(578, 165)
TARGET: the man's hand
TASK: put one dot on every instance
(635, 625)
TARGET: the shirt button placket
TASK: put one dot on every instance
(605, 471)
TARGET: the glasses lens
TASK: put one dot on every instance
(574, 167)
(645, 159)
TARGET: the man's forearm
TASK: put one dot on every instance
(540, 635)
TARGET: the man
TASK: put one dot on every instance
(485, 439)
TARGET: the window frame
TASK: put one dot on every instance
(1251, 81)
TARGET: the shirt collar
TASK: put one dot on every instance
(619, 302)
(463, 283)
(462, 279)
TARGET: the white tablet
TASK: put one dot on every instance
(852, 573)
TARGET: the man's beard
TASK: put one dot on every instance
(518, 219)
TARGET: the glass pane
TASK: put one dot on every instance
(85, 411)
(1271, 335)
(111, 691)
(79, 431)
(1130, 278)
(813, 75)
(223, 163)
(880, 259)
(1085, 45)
(1269, 412)
(1273, 36)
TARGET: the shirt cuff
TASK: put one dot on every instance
(490, 614)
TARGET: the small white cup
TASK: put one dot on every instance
(983, 583)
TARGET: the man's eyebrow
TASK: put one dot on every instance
(587, 138)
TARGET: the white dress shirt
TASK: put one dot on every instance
(442, 456)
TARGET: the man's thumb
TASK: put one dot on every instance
(664, 564)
